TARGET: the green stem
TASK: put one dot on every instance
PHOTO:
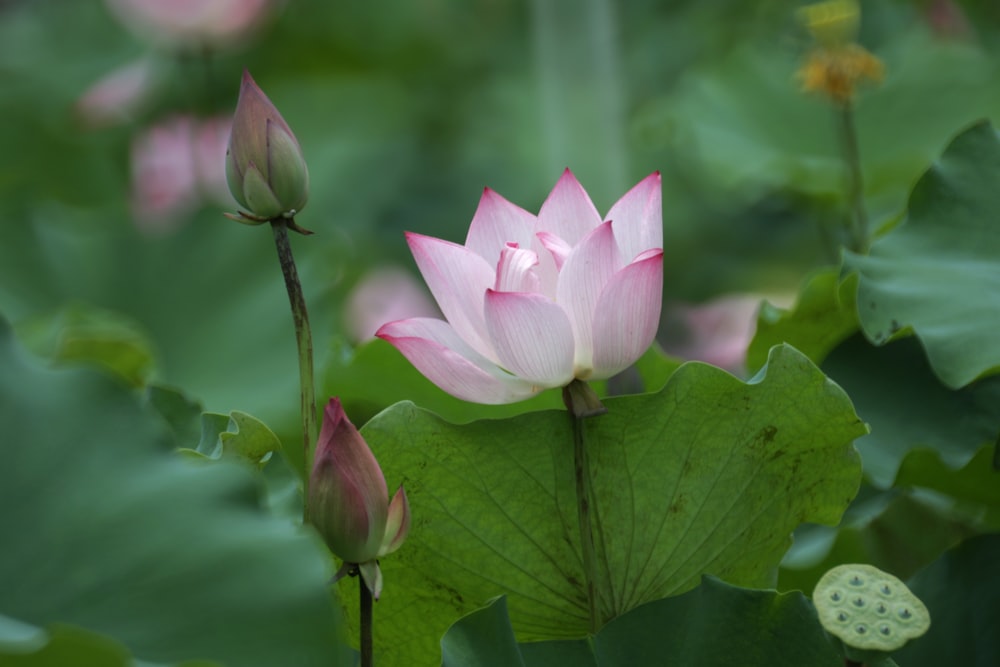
(303, 338)
(584, 492)
(858, 227)
(581, 402)
(366, 624)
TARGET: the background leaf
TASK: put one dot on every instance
(712, 625)
(824, 314)
(82, 333)
(962, 592)
(897, 531)
(483, 638)
(938, 272)
(892, 386)
(907, 407)
(108, 531)
(707, 626)
(248, 438)
(976, 485)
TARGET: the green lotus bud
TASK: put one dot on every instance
(265, 169)
(870, 611)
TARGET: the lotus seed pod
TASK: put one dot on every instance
(868, 610)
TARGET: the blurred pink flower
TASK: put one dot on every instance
(117, 96)
(192, 23)
(174, 165)
(947, 19)
(211, 138)
(385, 295)
(536, 302)
(719, 331)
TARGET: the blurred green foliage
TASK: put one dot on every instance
(407, 109)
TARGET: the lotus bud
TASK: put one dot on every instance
(349, 500)
(265, 169)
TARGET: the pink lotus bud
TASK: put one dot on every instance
(348, 498)
(265, 169)
(536, 302)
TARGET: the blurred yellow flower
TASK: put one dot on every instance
(837, 64)
(837, 71)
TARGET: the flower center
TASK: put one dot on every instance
(516, 270)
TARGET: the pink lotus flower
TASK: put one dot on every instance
(536, 302)
(349, 500)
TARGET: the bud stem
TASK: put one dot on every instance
(857, 227)
(303, 338)
(582, 402)
(366, 623)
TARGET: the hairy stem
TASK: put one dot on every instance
(303, 338)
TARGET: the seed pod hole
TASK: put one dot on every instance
(904, 613)
(861, 629)
(881, 609)
(885, 630)
(857, 581)
(836, 596)
(885, 589)
(858, 602)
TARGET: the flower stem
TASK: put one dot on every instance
(303, 338)
(581, 470)
(581, 402)
(858, 226)
(366, 623)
